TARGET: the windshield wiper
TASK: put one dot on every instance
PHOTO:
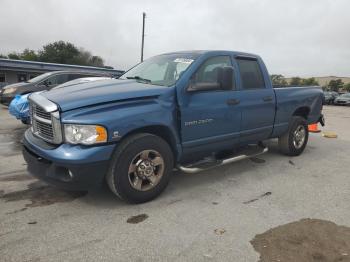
(139, 78)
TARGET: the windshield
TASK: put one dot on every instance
(346, 95)
(39, 78)
(162, 70)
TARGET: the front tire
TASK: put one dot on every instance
(140, 168)
(26, 121)
(294, 141)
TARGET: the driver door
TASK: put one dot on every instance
(211, 118)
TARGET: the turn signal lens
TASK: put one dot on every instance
(101, 134)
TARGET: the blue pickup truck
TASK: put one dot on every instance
(184, 110)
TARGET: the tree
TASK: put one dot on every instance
(295, 81)
(96, 61)
(14, 55)
(278, 80)
(335, 85)
(86, 58)
(59, 52)
(347, 87)
(309, 82)
(67, 53)
(29, 55)
(3, 56)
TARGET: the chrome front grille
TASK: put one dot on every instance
(45, 125)
(45, 130)
(41, 112)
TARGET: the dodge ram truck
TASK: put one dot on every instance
(189, 111)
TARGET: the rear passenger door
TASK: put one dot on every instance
(257, 101)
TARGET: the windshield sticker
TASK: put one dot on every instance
(183, 60)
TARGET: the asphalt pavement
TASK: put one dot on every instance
(209, 216)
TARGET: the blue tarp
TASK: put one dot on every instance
(19, 107)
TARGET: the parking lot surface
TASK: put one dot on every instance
(268, 206)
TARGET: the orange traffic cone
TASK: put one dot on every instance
(313, 128)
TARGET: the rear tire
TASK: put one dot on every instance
(294, 141)
(140, 168)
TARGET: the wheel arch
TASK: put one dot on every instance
(303, 111)
(158, 130)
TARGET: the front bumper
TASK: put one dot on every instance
(70, 167)
(342, 102)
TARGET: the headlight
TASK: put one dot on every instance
(9, 90)
(85, 134)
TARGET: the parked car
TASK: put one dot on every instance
(19, 106)
(42, 82)
(2, 85)
(330, 97)
(343, 100)
(190, 110)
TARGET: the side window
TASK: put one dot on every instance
(75, 76)
(57, 80)
(208, 71)
(251, 74)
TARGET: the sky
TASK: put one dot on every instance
(294, 37)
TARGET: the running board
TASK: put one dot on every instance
(247, 153)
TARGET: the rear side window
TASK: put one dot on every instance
(75, 76)
(251, 74)
(57, 79)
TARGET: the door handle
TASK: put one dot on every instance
(267, 98)
(232, 102)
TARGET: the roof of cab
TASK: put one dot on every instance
(79, 72)
(201, 52)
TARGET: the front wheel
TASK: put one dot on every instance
(25, 121)
(294, 141)
(140, 168)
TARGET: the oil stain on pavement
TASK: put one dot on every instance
(307, 240)
(257, 160)
(10, 141)
(40, 194)
(137, 219)
(256, 199)
(20, 177)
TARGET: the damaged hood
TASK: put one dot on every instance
(111, 90)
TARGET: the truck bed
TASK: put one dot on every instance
(307, 100)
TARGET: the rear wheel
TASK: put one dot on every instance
(140, 168)
(294, 141)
